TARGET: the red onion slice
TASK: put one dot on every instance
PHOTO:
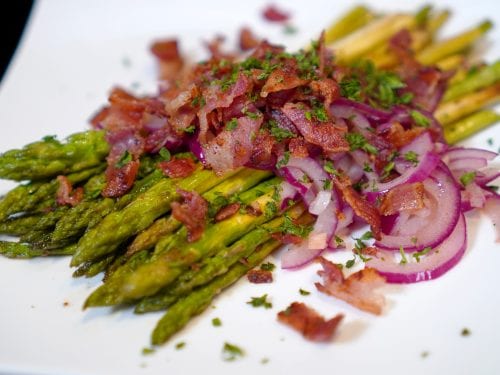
(467, 164)
(467, 153)
(487, 175)
(443, 197)
(435, 263)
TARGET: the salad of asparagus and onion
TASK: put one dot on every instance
(175, 196)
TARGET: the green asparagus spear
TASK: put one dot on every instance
(91, 269)
(483, 77)
(216, 265)
(26, 251)
(470, 125)
(174, 255)
(440, 50)
(118, 226)
(179, 314)
(49, 157)
(355, 18)
(18, 226)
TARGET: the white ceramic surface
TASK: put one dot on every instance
(72, 53)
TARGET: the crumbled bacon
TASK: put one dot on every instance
(283, 78)
(307, 321)
(402, 197)
(326, 88)
(273, 14)
(359, 289)
(260, 276)
(323, 134)
(178, 167)
(298, 147)
(364, 209)
(287, 238)
(247, 39)
(192, 212)
(399, 136)
(227, 211)
(66, 195)
(119, 180)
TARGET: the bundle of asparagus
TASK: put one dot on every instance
(144, 251)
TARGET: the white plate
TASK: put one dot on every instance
(73, 52)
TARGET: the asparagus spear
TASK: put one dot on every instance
(470, 125)
(19, 225)
(26, 251)
(216, 197)
(174, 255)
(179, 314)
(118, 226)
(483, 77)
(49, 157)
(355, 18)
(216, 265)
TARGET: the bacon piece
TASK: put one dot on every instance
(227, 211)
(119, 180)
(284, 78)
(273, 14)
(403, 197)
(232, 148)
(262, 154)
(287, 238)
(260, 276)
(307, 321)
(324, 134)
(178, 167)
(171, 62)
(327, 88)
(399, 137)
(358, 289)
(247, 39)
(192, 212)
(298, 147)
(359, 204)
(66, 195)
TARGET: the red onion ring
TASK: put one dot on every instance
(432, 265)
(444, 202)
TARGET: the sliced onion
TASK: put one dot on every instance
(467, 164)
(320, 202)
(366, 110)
(420, 145)
(487, 175)
(310, 167)
(432, 265)
(443, 197)
(294, 177)
(466, 153)
(426, 165)
(492, 209)
(287, 193)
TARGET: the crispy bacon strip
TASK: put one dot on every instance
(323, 134)
(192, 212)
(256, 276)
(357, 290)
(403, 197)
(359, 204)
(227, 211)
(120, 180)
(273, 14)
(307, 321)
(247, 39)
(284, 78)
(178, 167)
(66, 195)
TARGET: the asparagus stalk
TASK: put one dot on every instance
(179, 314)
(174, 255)
(216, 265)
(470, 125)
(118, 226)
(26, 251)
(483, 77)
(49, 157)
(355, 18)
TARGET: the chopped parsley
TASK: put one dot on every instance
(270, 210)
(403, 256)
(124, 160)
(319, 112)
(180, 345)
(284, 160)
(289, 227)
(420, 253)
(490, 141)
(339, 241)
(216, 322)
(279, 133)
(308, 115)
(351, 89)
(260, 302)
(198, 101)
(327, 184)
(231, 352)
(190, 129)
(367, 167)
(289, 29)
(165, 154)
(419, 118)
(147, 351)
(358, 141)
(412, 157)
(465, 332)
(232, 124)
(388, 168)
(329, 168)
(467, 178)
(304, 292)
(351, 262)
(268, 266)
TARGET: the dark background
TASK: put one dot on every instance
(13, 17)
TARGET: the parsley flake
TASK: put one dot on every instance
(232, 124)
(419, 118)
(358, 141)
(216, 322)
(231, 352)
(260, 302)
(412, 157)
(304, 292)
(124, 160)
(420, 253)
(467, 178)
(165, 154)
